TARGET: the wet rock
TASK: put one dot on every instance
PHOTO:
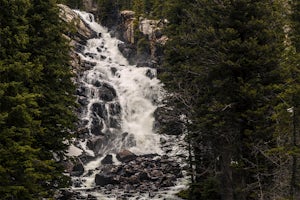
(96, 143)
(128, 187)
(167, 183)
(143, 176)
(79, 48)
(81, 91)
(82, 132)
(83, 101)
(150, 74)
(77, 170)
(99, 109)
(124, 135)
(128, 50)
(91, 197)
(125, 156)
(99, 49)
(133, 179)
(96, 126)
(147, 63)
(91, 55)
(128, 140)
(103, 179)
(156, 174)
(151, 194)
(84, 158)
(165, 118)
(88, 64)
(114, 109)
(77, 183)
(113, 70)
(163, 140)
(107, 160)
(114, 123)
(97, 83)
(66, 195)
(107, 92)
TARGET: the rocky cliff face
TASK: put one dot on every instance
(78, 35)
(145, 47)
(145, 50)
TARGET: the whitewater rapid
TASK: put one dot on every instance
(136, 92)
(118, 101)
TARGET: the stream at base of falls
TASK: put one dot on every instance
(117, 154)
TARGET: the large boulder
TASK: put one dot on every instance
(107, 92)
(78, 169)
(95, 144)
(96, 126)
(103, 179)
(107, 160)
(126, 156)
(99, 109)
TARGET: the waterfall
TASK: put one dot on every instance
(117, 101)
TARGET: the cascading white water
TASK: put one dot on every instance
(135, 91)
(118, 102)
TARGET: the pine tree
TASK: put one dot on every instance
(23, 174)
(50, 49)
(223, 66)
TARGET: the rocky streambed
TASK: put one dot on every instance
(134, 177)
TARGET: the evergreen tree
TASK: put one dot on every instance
(23, 173)
(50, 49)
(223, 66)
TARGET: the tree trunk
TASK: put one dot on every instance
(294, 158)
(226, 174)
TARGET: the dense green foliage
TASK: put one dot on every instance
(232, 68)
(233, 72)
(36, 99)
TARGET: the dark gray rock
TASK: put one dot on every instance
(113, 70)
(107, 160)
(88, 65)
(81, 91)
(146, 63)
(96, 143)
(114, 109)
(97, 83)
(99, 109)
(79, 48)
(143, 176)
(150, 74)
(107, 92)
(78, 169)
(83, 100)
(129, 51)
(84, 158)
(103, 179)
(91, 197)
(91, 55)
(96, 126)
(66, 195)
(114, 123)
